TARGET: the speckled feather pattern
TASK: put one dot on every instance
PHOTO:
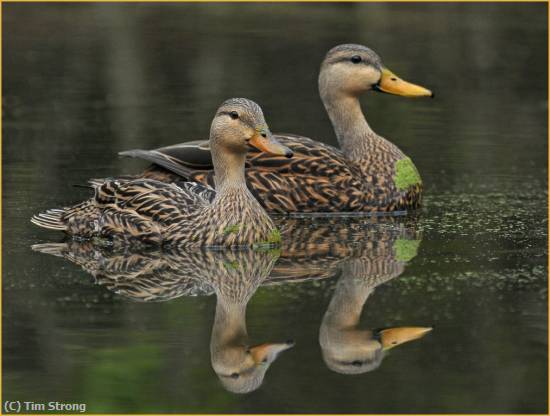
(319, 178)
(149, 212)
(310, 250)
(144, 212)
(158, 276)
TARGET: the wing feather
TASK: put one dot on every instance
(318, 177)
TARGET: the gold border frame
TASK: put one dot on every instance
(264, 1)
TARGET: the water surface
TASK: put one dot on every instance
(136, 332)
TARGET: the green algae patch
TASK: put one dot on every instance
(406, 174)
(231, 229)
(405, 250)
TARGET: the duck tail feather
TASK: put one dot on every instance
(52, 219)
(86, 186)
(139, 153)
(55, 249)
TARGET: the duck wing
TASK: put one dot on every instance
(182, 159)
(143, 276)
(153, 200)
(136, 210)
(317, 178)
(187, 158)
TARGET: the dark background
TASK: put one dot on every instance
(84, 81)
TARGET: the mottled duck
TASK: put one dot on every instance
(183, 214)
(367, 174)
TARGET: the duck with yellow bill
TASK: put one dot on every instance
(368, 173)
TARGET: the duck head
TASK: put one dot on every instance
(240, 123)
(351, 70)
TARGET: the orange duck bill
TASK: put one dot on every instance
(264, 141)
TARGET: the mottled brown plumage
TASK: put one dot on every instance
(310, 249)
(364, 175)
(149, 212)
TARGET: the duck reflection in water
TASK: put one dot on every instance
(233, 276)
(241, 367)
(362, 253)
(365, 253)
(346, 348)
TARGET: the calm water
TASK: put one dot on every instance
(161, 332)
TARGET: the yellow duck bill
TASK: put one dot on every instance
(264, 141)
(392, 84)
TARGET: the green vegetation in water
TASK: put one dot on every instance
(268, 248)
(230, 229)
(274, 239)
(405, 250)
(406, 174)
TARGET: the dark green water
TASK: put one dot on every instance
(82, 82)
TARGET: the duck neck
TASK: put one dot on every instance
(352, 130)
(229, 324)
(228, 170)
(349, 298)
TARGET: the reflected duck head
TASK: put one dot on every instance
(347, 349)
(360, 351)
(241, 369)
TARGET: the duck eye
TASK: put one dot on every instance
(234, 375)
(234, 115)
(356, 59)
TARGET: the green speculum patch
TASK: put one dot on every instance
(406, 174)
(405, 250)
